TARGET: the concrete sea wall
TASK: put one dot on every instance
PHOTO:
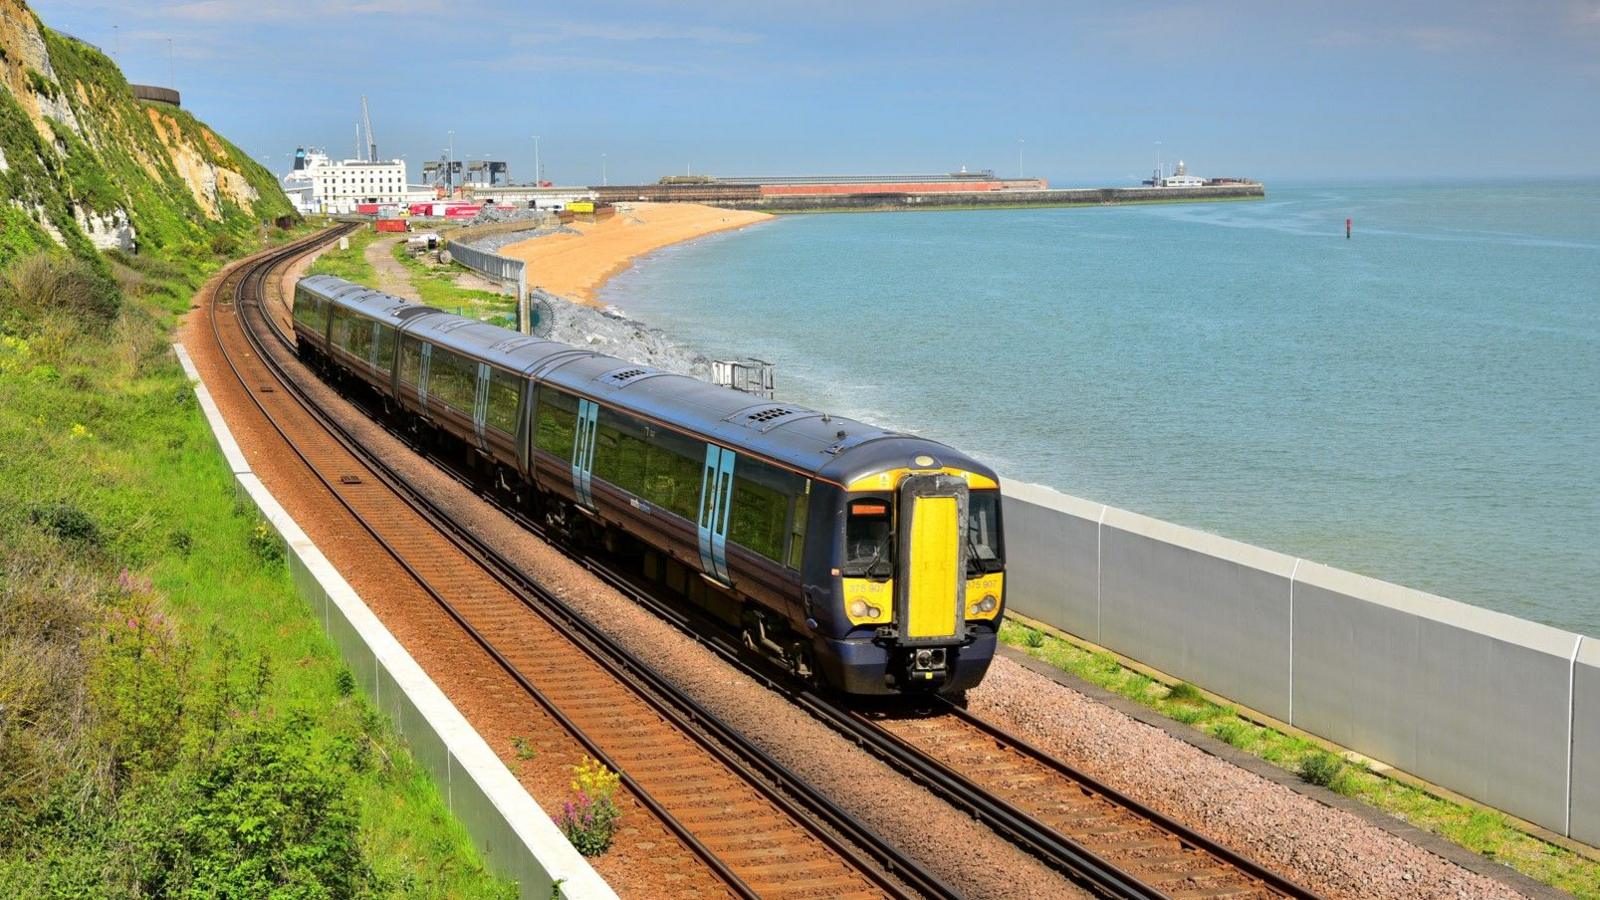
(1494, 707)
(516, 838)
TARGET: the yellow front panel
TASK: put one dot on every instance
(933, 568)
(877, 595)
(992, 584)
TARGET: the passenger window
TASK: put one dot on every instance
(505, 391)
(557, 423)
(410, 361)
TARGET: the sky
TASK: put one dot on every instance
(1078, 93)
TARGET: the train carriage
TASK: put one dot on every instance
(871, 559)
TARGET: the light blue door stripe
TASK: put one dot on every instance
(583, 452)
(719, 536)
(708, 493)
(716, 496)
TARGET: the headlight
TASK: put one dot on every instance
(988, 603)
(859, 609)
(874, 612)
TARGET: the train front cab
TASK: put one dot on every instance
(918, 578)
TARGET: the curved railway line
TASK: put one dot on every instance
(636, 722)
(752, 825)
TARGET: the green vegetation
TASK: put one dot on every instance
(589, 819)
(436, 284)
(172, 719)
(348, 264)
(1484, 831)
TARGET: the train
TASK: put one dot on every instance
(865, 560)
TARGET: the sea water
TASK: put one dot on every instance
(1419, 403)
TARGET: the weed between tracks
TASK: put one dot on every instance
(1482, 831)
(172, 719)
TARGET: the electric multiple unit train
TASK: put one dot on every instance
(870, 560)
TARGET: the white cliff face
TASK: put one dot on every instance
(25, 50)
(107, 232)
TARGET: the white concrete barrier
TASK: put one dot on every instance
(1500, 709)
(516, 838)
(1583, 800)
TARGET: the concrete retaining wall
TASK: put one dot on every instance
(1500, 709)
(515, 837)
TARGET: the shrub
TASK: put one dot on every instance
(344, 682)
(590, 819)
(1035, 638)
(588, 823)
(1320, 768)
(49, 283)
(67, 522)
(1232, 731)
(265, 543)
(224, 244)
(1184, 692)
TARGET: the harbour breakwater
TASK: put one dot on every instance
(751, 197)
(998, 199)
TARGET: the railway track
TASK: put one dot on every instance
(1094, 834)
(1098, 837)
(757, 830)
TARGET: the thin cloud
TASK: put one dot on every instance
(229, 11)
(1427, 39)
(552, 32)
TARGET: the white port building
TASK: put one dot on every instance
(318, 184)
(1180, 177)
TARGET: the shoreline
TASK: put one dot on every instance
(577, 264)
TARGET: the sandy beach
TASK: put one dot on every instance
(576, 265)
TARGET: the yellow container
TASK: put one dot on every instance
(583, 206)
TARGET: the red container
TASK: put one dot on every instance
(462, 212)
(421, 209)
(366, 209)
(390, 225)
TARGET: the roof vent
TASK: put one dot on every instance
(627, 375)
(768, 414)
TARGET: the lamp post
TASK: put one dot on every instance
(603, 177)
(1019, 158)
(450, 165)
(538, 176)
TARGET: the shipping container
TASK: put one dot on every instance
(366, 209)
(462, 212)
(390, 225)
(581, 206)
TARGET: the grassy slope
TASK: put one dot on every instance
(114, 505)
(108, 426)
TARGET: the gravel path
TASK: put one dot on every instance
(1327, 850)
(392, 277)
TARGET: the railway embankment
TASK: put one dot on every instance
(172, 721)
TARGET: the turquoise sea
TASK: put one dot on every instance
(1420, 404)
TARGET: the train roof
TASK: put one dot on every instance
(831, 447)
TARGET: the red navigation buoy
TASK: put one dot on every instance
(1347, 229)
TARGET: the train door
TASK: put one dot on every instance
(716, 495)
(931, 589)
(583, 452)
(480, 406)
(422, 377)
